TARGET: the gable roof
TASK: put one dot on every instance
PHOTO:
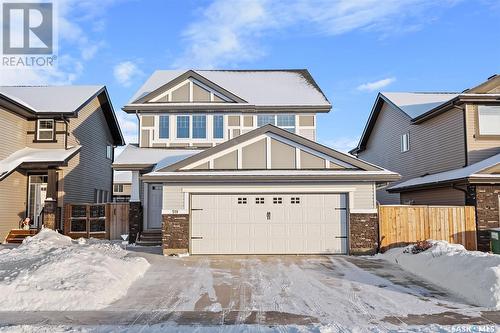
(281, 133)
(255, 87)
(421, 106)
(476, 171)
(35, 101)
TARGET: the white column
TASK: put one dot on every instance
(134, 190)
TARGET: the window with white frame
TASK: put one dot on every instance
(164, 127)
(109, 152)
(264, 119)
(45, 129)
(118, 188)
(286, 121)
(218, 126)
(199, 126)
(405, 142)
(183, 127)
(489, 119)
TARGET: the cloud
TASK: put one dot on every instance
(228, 33)
(376, 85)
(78, 43)
(128, 125)
(125, 72)
(343, 144)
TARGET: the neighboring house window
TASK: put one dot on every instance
(118, 188)
(264, 119)
(405, 142)
(183, 127)
(164, 127)
(199, 127)
(287, 122)
(109, 152)
(489, 119)
(218, 127)
(45, 129)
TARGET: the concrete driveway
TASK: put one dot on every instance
(339, 292)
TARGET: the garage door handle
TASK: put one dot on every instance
(193, 209)
(340, 236)
(340, 208)
(196, 237)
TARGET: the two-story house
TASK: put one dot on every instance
(56, 147)
(446, 146)
(227, 163)
(122, 183)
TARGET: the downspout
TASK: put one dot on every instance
(65, 131)
(138, 127)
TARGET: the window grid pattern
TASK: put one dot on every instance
(259, 201)
(242, 201)
(164, 127)
(183, 127)
(200, 127)
(295, 200)
(277, 200)
(45, 129)
(218, 127)
(265, 119)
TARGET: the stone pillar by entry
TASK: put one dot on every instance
(135, 209)
(175, 233)
(49, 213)
(363, 233)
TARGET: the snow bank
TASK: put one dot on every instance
(473, 275)
(53, 272)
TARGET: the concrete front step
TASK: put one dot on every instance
(150, 238)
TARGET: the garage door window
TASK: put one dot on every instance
(295, 200)
(259, 201)
(242, 201)
(277, 200)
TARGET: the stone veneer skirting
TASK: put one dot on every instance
(487, 212)
(363, 233)
(175, 233)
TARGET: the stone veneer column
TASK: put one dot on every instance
(49, 213)
(175, 233)
(487, 212)
(134, 221)
(363, 233)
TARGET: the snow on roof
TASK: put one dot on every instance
(471, 171)
(416, 104)
(34, 155)
(133, 155)
(271, 173)
(122, 177)
(57, 99)
(257, 87)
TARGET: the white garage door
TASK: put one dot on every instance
(268, 223)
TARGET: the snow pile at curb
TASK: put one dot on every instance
(473, 275)
(53, 272)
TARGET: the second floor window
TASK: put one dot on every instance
(286, 121)
(489, 119)
(164, 127)
(118, 187)
(45, 129)
(183, 127)
(218, 127)
(199, 127)
(265, 119)
(405, 142)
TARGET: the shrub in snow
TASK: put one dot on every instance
(472, 275)
(51, 271)
(420, 246)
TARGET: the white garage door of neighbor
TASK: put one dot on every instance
(268, 223)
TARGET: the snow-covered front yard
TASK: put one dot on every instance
(53, 272)
(472, 275)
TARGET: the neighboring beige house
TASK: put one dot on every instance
(56, 148)
(122, 183)
(227, 163)
(446, 146)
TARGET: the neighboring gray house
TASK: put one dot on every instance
(122, 183)
(227, 164)
(446, 146)
(56, 148)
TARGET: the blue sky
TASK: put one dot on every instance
(353, 48)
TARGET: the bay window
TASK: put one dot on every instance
(183, 127)
(199, 127)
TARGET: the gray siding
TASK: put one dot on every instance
(478, 148)
(435, 196)
(89, 169)
(436, 145)
(12, 133)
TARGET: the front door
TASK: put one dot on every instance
(155, 195)
(36, 198)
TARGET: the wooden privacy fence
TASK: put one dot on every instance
(401, 225)
(106, 220)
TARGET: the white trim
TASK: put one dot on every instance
(240, 158)
(134, 187)
(268, 153)
(267, 189)
(297, 157)
(38, 129)
(145, 206)
(363, 211)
